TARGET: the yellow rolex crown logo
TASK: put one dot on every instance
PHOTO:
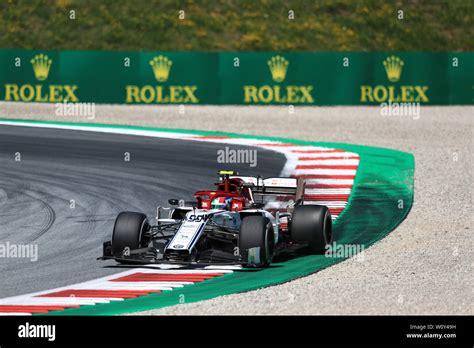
(161, 66)
(393, 67)
(278, 66)
(41, 64)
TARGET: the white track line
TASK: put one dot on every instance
(13, 314)
(330, 181)
(335, 172)
(323, 191)
(337, 162)
(52, 301)
(319, 155)
(329, 204)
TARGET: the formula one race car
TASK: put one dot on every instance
(234, 224)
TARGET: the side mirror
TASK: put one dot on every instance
(173, 201)
(258, 205)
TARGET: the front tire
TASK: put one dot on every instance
(256, 241)
(312, 224)
(129, 233)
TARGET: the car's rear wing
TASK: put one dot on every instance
(274, 186)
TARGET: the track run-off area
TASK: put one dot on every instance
(368, 190)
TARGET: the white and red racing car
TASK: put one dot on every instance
(245, 220)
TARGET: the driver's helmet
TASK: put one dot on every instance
(221, 203)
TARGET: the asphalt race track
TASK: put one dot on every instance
(66, 190)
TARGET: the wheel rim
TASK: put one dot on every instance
(269, 244)
(327, 228)
(140, 235)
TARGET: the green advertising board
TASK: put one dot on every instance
(285, 78)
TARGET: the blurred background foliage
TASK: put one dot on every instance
(226, 25)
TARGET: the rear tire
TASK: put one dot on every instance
(312, 224)
(128, 234)
(256, 241)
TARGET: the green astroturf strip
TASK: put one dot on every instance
(381, 198)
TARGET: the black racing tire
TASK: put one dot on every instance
(129, 230)
(256, 231)
(312, 224)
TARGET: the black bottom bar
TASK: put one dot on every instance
(231, 330)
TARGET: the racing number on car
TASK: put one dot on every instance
(198, 218)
